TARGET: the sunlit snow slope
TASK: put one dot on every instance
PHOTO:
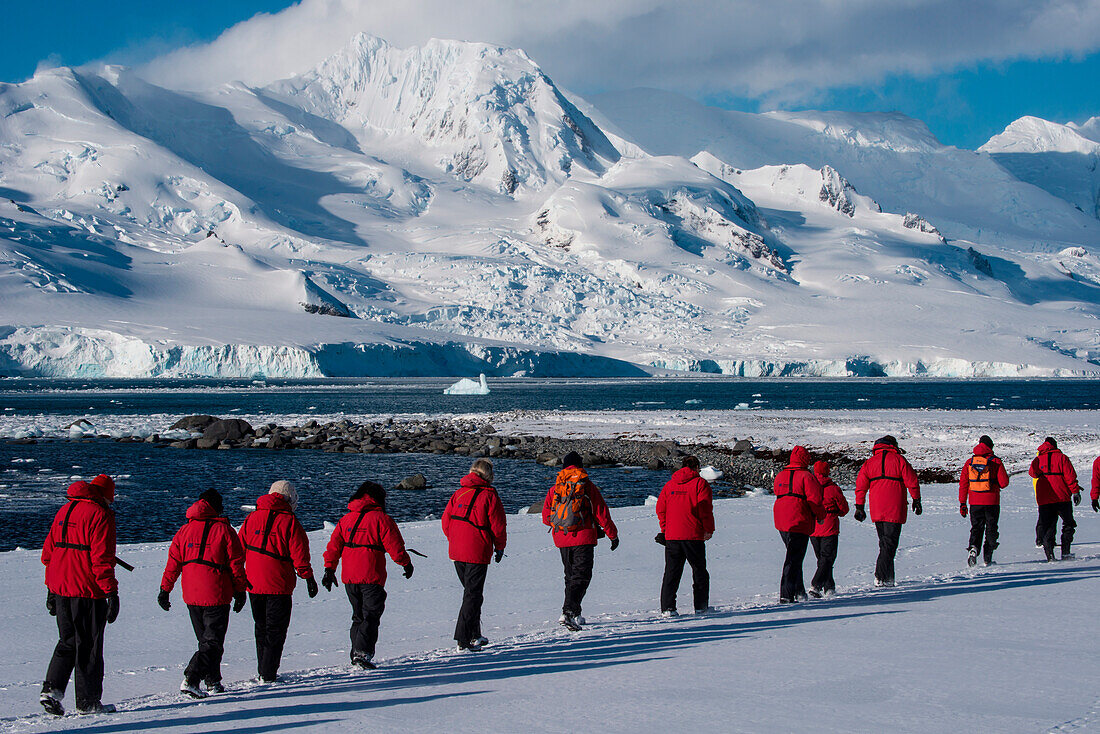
(448, 210)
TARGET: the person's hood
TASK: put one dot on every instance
(800, 457)
(982, 450)
(84, 491)
(821, 469)
(684, 475)
(202, 510)
(1046, 448)
(275, 502)
(572, 474)
(105, 486)
(879, 447)
(365, 503)
(472, 480)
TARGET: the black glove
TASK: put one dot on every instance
(917, 509)
(239, 598)
(409, 570)
(659, 538)
(614, 543)
(1076, 498)
(311, 587)
(162, 599)
(51, 599)
(498, 555)
(1096, 505)
(112, 607)
(329, 579)
(860, 514)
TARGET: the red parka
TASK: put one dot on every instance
(886, 475)
(1096, 479)
(597, 514)
(799, 504)
(998, 480)
(362, 538)
(1056, 478)
(685, 509)
(275, 547)
(836, 506)
(79, 552)
(209, 555)
(474, 521)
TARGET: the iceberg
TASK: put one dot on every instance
(466, 386)
(710, 473)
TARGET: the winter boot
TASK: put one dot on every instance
(191, 688)
(94, 707)
(972, 557)
(363, 661)
(1067, 555)
(816, 593)
(1049, 554)
(51, 700)
(569, 622)
(987, 556)
(669, 613)
(214, 686)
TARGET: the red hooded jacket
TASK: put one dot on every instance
(684, 508)
(998, 480)
(599, 513)
(275, 547)
(1096, 479)
(886, 475)
(209, 555)
(799, 503)
(362, 538)
(836, 506)
(79, 552)
(1057, 481)
(474, 522)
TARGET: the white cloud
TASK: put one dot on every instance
(781, 49)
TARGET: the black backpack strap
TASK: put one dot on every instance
(350, 543)
(201, 559)
(882, 472)
(470, 510)
(790, 486)
(262, 548)
(64, 542)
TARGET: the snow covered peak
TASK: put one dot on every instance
(1036, 135)
(488, 114)
(890, 130)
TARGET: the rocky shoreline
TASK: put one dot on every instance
(743, 465)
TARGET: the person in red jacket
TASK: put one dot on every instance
(577, 513)
(362, 538)
(276, 552)
(476, 531)
(1096, 485)
(1055, 486)
(826, 536)
(209, 556)
(982, 478)
(886, 476)
(798, 509)
(81, 591)
(686, 514)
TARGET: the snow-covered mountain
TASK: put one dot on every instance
(448, 210)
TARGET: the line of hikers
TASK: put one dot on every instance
(223, 569)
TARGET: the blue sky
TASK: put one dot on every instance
(965, 73)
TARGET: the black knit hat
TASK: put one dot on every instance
(213, 498)
(1051, 441)
(986, 440)
(572, 459)
(373, 490)
(888, 439)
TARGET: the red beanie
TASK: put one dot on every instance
(106, 485)
(821, 468)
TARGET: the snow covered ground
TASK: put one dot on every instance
(1009, 648)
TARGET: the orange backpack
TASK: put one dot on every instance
(567, 510)
(980, 475)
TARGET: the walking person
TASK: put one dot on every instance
(362, 539)
(798, 508)
(576, 512)
(208, 554)
(982, 478)
(686, 515)
(476, 531)
(1095, 494)
(276, 553)
(826, 536)
(886, 477)
(81, 591)
(1056, 491)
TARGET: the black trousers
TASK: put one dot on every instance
(889, 535)
(368, 602)
(791, 584)
(1048, 524)
(693, 552)
(577, 562)
(80, 624)
(825, 550)
(983, 522)
(210, 624)
(271, 613)
(472, 577)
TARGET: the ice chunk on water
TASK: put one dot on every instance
(650, 501)
(693, 401)
(249, 508)
(741, 406)
(466, 386)
(709, 473)
(328, 527)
